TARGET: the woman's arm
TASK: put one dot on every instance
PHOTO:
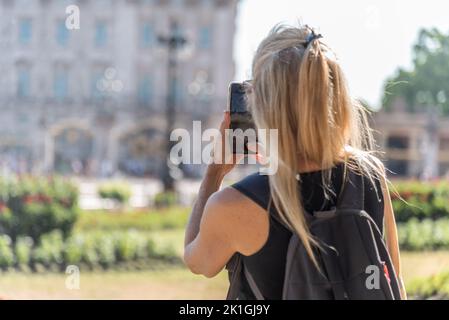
(210, 184)
(209, 242)
(209, 236)
(391, 235)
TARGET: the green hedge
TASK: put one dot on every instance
(119, 191)
(92, 250)
(433, 287)
(427, 234)
(170, 218)
(165, 199)
(33, 206)
(420, 200)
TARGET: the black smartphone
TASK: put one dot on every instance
(241, 118)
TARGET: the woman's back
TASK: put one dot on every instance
(298, 92)
(268, 264)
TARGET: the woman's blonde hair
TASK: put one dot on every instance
(299, 89)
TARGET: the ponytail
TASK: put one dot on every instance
(303, 94)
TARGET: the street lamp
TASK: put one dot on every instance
(174, 42)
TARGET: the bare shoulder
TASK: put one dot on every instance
(229, 197)
(234, 203)
(245, 221)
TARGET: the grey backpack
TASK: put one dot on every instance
(353, 259)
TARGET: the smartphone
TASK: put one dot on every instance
(241, 118)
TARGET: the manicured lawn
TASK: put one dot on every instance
(165, 284)
(171, 283)
(422, 264)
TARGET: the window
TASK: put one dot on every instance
(25, 31)
(443, 169)
(221, 3)
(23, 83)
(444, 143)
(162, 3)
(192, 3)
(147, 36)
(145, 91)
(97, 84)
(399, 167)
(178, 32)
(398, 142)
(176, 90)
(61, 84)
(101, 34)
(62, 34)
(205, 38)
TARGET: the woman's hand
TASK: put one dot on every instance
(223, 160)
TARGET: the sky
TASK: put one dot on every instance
(371, 38)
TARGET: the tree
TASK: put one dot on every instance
(427, 83)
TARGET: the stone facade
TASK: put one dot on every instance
(92, 101)
(414, 144)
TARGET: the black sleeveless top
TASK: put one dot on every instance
(268, 264)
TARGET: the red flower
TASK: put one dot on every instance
(28, 199)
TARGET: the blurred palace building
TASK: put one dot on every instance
(415, 144)
(93, 101)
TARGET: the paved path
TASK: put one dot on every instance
(143, 192)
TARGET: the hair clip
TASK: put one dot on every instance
(312, 36)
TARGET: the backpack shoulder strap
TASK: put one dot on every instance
(234, 267)
(252, 284)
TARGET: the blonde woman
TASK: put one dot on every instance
(299, 89)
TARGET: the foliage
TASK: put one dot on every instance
(119, 191)
(6, 252)
(90, 250)
(33, 206)
(433, 287)
(165, 199)
(170, 218)
(22, 251)
(427, 82)
(424, 235)
(420, 200)
(49, 251)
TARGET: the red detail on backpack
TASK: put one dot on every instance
(387, 273)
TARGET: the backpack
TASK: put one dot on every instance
(352, 256)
